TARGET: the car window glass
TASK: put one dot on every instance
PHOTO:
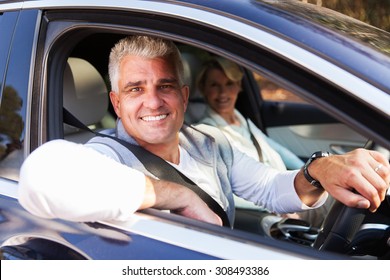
(14, 95)
(10, 101)
(2, 52)
(11, 127)
(271, 91)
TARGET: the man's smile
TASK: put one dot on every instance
(154, 118)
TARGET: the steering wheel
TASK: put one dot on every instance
(343, 222)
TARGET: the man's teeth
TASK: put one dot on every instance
(154, 118)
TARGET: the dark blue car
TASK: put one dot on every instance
(313, 80)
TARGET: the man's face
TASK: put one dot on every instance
(150, 102)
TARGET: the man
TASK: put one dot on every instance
(103, 180)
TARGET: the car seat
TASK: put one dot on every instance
(196, 104)
(85, 95)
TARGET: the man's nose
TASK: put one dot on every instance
(153, 99)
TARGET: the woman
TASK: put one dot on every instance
(219, 81)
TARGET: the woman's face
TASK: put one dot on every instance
(221, 92)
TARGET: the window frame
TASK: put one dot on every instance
(62, 25)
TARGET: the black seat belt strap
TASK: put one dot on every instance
(163, 170)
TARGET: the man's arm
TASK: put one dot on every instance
(70, 181)
(349, 178)
(161, 194)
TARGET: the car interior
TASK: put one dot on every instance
(86, 88)
(85, 96)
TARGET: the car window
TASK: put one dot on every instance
(10, 120)
(14, 89)
(271, 91)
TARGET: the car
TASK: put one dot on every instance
(314, 79)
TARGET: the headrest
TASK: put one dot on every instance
(85, 92)
(196, 107)
(192, 66)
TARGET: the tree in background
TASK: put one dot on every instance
(373, 12)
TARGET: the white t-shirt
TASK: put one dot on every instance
(206, 180)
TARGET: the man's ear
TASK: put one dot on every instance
(114, 97)
(185, 92)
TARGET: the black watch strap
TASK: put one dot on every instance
(306, 173)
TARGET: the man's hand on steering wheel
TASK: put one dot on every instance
(357, 179)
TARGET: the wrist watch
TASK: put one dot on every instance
(312, 158)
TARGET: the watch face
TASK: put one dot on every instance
(308, 177)
(320, 154)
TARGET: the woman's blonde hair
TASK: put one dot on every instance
(228, 67)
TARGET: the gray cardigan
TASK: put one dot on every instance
(206, 144)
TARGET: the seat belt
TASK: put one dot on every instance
(254, 141)
(157, 166)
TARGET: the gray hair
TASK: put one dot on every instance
(143, 46)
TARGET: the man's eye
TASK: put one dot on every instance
(167, 88)
(135, 89)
